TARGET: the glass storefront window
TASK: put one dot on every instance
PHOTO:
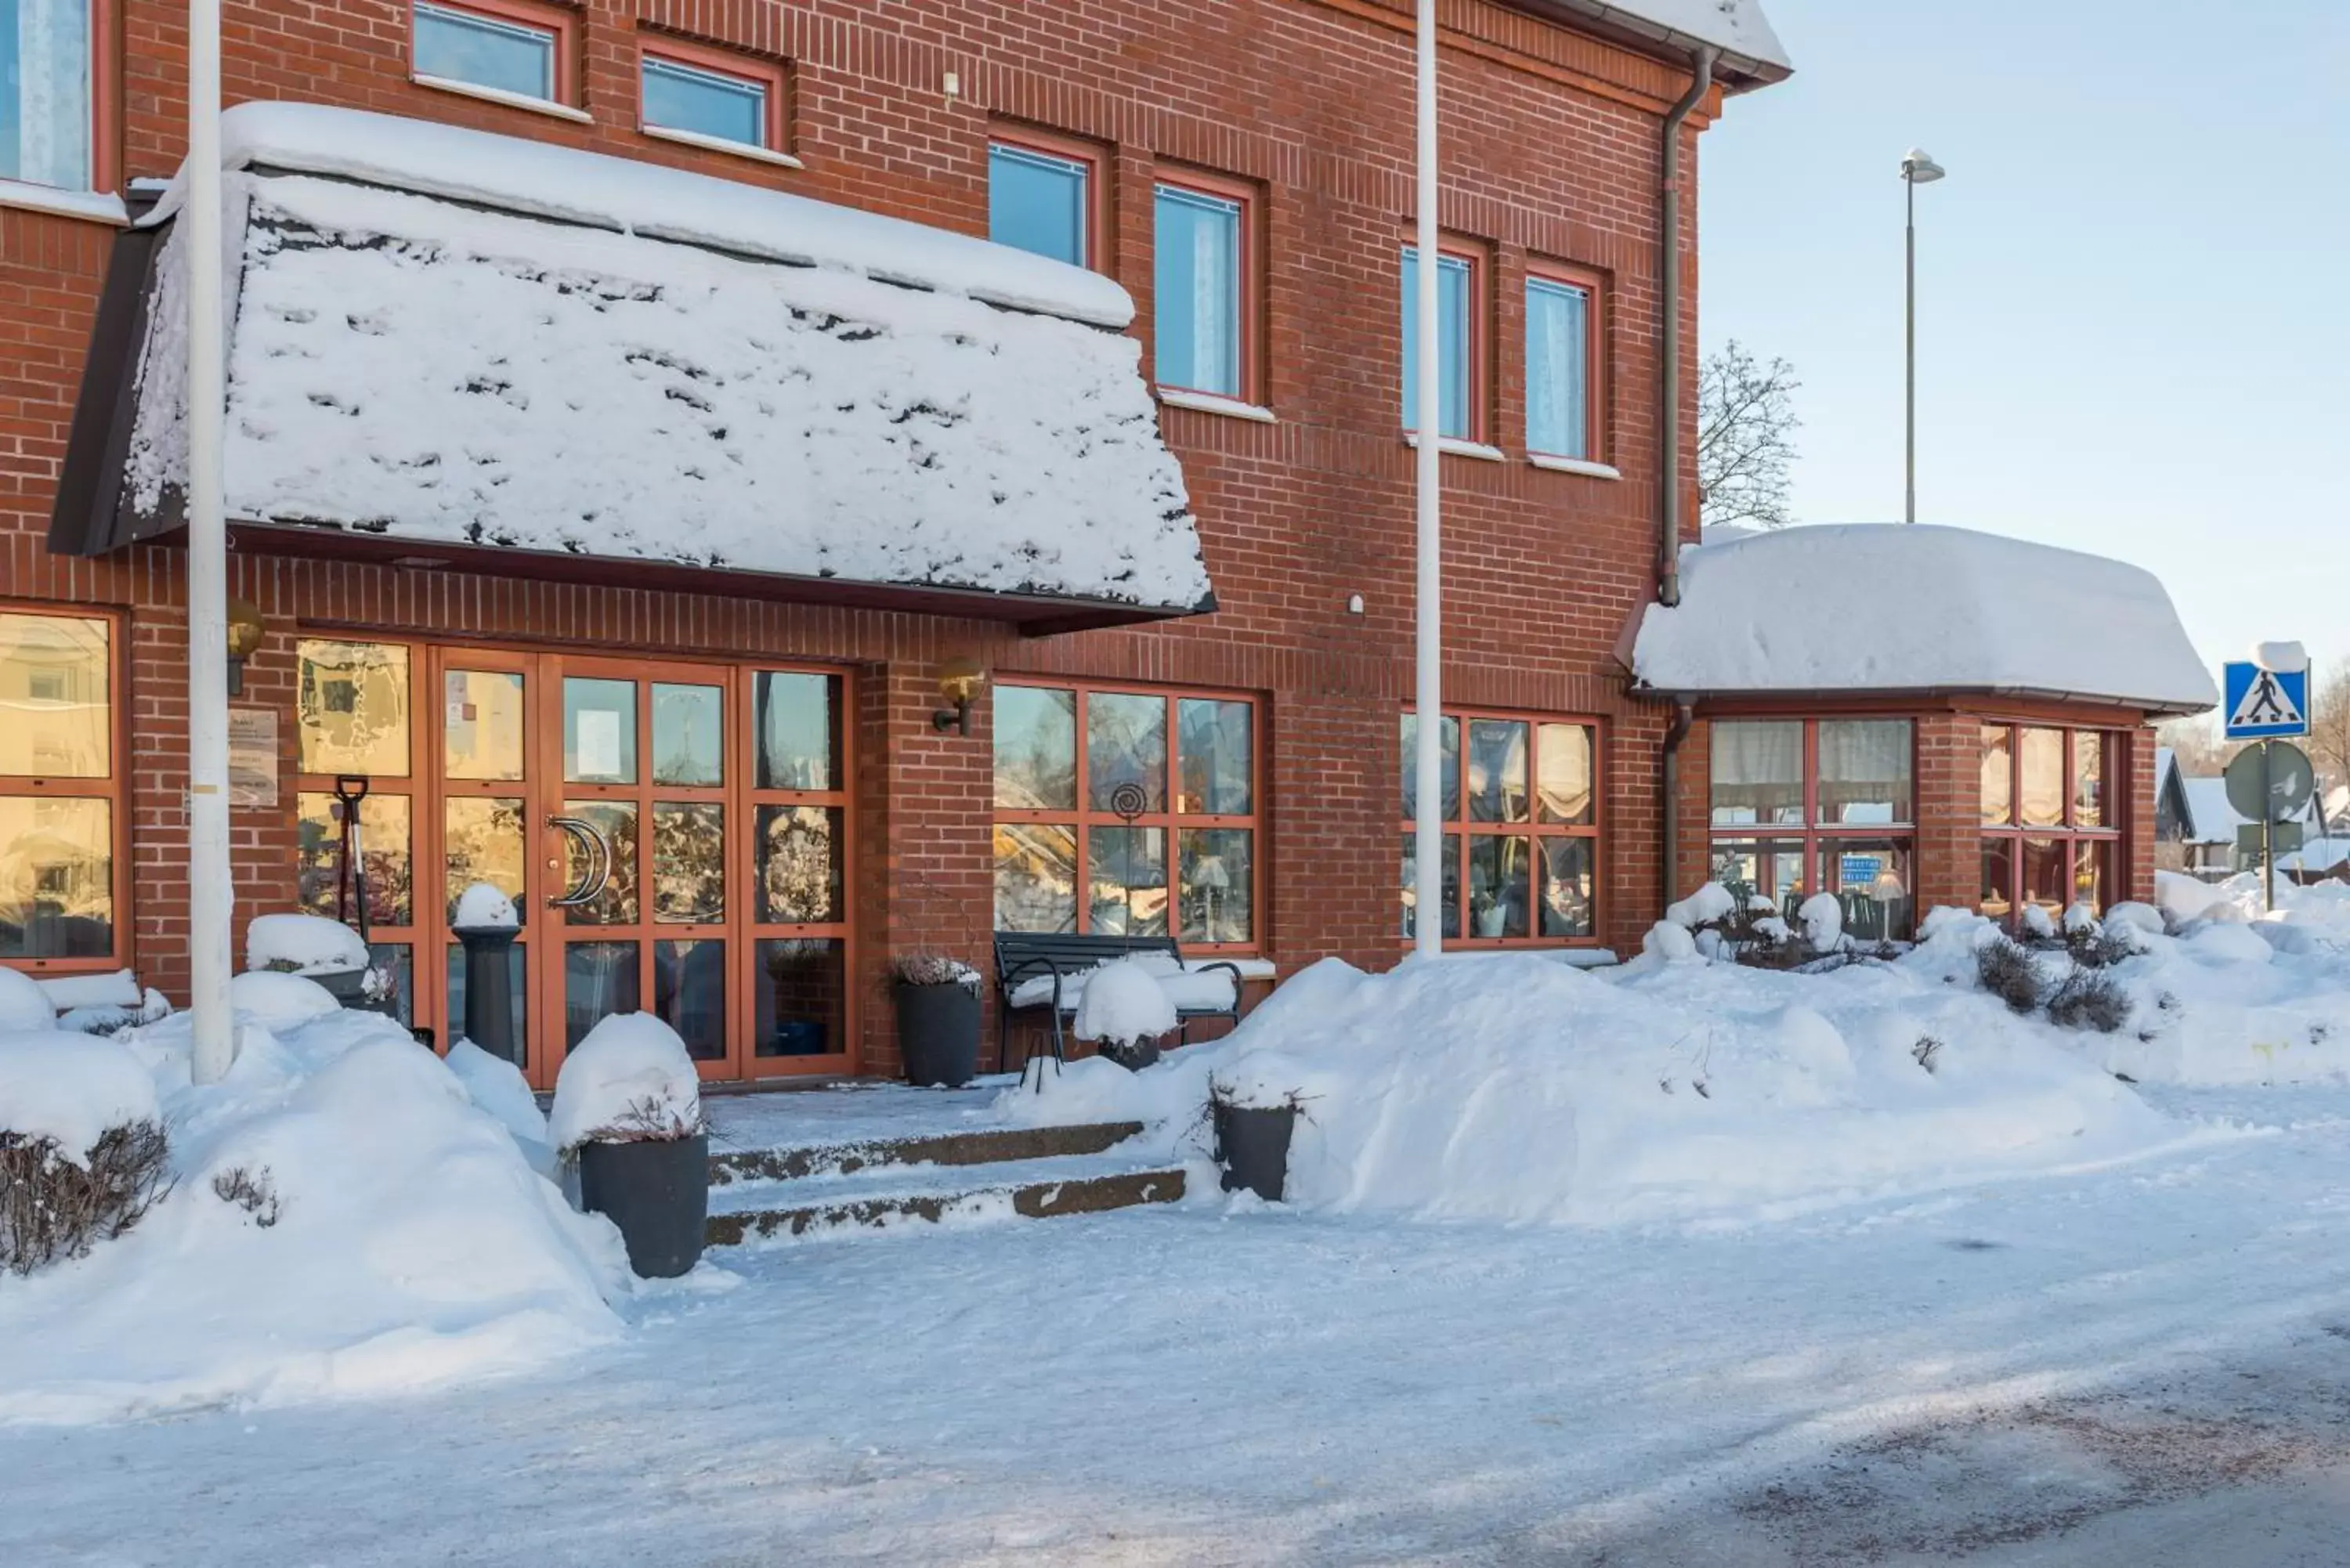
(59, 807)
(1860, 774)
(1520, 846)
(2052, 829)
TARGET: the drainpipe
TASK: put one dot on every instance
(1683, 716)
(1668, 380)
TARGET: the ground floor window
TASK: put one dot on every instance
(61, 792)
(1122, 810)
(1800, 806)
(2052, 836)
(1521, 809)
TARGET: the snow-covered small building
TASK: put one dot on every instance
(1912, 716)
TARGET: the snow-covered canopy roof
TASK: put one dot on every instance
(1894, 608)
(448, 338)
(1737, 27)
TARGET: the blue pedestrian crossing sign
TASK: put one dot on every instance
(2264, 703)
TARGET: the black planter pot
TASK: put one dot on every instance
(1253, 1145)
(349, 986)
(937, 1033)
(658, 1193)
(1134, 1058)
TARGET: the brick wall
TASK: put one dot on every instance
(1550, 151)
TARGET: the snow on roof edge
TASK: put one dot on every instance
(568, 184)
(1737, 28)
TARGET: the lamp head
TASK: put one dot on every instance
(959, 681)
(1919, 169)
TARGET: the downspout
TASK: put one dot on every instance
(1683, 716)
(1669, 379)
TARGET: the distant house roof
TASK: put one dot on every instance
(1885, 607)
(444, 338)
(1752, 54)
(2212, 818)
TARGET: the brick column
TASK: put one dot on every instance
(1950, 811)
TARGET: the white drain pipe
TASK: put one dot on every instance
(1428, 830)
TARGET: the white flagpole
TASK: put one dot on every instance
(1427, 844)
(211, 894)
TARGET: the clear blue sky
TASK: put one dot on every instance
(2132, 332)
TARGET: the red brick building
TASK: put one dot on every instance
(760, 758)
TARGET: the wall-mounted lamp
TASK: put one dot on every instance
(245, 629)
(959, 681)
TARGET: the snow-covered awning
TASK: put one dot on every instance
(1886, 607)
(446, 340)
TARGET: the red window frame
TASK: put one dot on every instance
(113, 788)
(1480, 330)
(2109, 831)
(770, 75)
(1460, 831)
(1594, 287)
(1069, 150)
(1083, 817)
(1815, 839)
(1226, 189)
(562, 23)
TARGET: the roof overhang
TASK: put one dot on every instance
(1739, 67)
(1923, 698)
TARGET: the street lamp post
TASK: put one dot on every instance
(1916, 169)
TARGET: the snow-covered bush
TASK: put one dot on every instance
(82, 1150)
(630, 1081)
(2007, 969)
(302, 944)
(2089, 998)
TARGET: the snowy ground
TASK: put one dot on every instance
(2146, 1362)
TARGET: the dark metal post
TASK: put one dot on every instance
(2268, 831)
(489, 989)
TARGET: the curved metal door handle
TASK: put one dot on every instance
(599, 862)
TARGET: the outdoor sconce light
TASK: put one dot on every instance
(959, 681)
(245, 629)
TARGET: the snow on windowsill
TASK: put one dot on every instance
(720, 144)
(1458, 448)
(499, 95)
(1575, 465)
(96, 206)
(1211, 403)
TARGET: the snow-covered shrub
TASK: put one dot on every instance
(302, 944)
(924, 966)
(2088, 998)
(82, 1150)
(630, 1081)
(254, 1192)
(1823, 921)
(2007, 969)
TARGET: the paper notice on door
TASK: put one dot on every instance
(599, 744)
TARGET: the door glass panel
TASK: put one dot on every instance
(1214, 743)
(1451, 912)
(1125, 869)
(615, 822)
(384, 839)
(798, 857)
(1567, 887)
(1218, 886)
(53, 675)
(600, 730)
(689, 862)
(1036, 877)
(1125, 743)
(483, 840)
(794, 717)
(689, 735)
(482, 733)
(801, 1001)
(1497, 771)
(515, 969)
(1498, 896)
(1036, 749)
(351, 707)
(600, 979)
(1448, 744)
(2043, 777)
(689, 994)
(56, 878)
(1563, 755)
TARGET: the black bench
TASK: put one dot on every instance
(1024, 956)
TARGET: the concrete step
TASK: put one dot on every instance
(988, 1146)
(889, 1195)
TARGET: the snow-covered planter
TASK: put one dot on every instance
(1253, 1105)
(318, 948)
(628, 1107)
(1124, 1011)
(937, 1000)
(82, 1150)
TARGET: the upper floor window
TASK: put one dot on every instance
(1202, 289)
(703, 93)
(49, 111)
(60, 793)
(1041, 200)
(1456, 344)
(1562, 365)
(505, 48)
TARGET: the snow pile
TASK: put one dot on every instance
(71, 1088)
(481, 906)
(500, 343)
(497, 1085)
(1123, 1003)
(341, 1220)
(23, 1003)
(279, 1001)
(1896, 607)
(630, 1078)
(303, 944)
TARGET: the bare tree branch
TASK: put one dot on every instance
(1746, 425)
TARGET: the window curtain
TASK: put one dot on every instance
(1558, 376)
(44, 114)
(1865, 769)
(1758, 772)
(1215, 314)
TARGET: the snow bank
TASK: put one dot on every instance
(70, 1087)
(24, 1005)
(389, 1236)
(632, 1077)
(497, 1085)
(1124, 1002)
(302, 944)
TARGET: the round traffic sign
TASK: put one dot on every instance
(2275, 790)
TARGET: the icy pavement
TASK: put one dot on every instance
(2144, 1363)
